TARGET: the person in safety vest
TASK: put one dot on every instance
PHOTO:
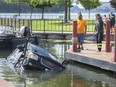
(99, 31)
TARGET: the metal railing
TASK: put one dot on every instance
(53, 25)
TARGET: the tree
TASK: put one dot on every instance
(42, 4)
(67, 4)
(113, 3)
(16, 1)
(35, 3)
(90, 4)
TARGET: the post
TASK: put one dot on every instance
(23, 22)
(107, 49)
(62, 25)
(15, 23)
(115, 43)
(74, 37)
(31, 25)
(8, 19)
(19, 23)
(44, 25)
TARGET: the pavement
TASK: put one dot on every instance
(90, 56)
(4, 83)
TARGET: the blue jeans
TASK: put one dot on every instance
(80, 38)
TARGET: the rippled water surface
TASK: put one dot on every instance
(76, 75)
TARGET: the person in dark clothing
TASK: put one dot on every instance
(99, 31)
(112, 20)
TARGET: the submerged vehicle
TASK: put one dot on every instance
(36, 58)
(9, 39)
(32, 57)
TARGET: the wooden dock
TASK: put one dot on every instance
(90, 56)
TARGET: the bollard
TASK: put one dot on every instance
(74, 37)
(107, 36)
(115, 43)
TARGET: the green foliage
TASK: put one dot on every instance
(113, 3)
(42, 3)
(69, 2)
(35, 3)
(16, 1)
(90, 4)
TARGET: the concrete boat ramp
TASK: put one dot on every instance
(90, 56)
(4, 83)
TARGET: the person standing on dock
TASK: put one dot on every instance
(104, 20)
(81, 31)
(112, 20)
(99, 31)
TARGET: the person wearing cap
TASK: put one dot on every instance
(99, 31)
(81, 31)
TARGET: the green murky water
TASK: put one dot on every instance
(76, 75)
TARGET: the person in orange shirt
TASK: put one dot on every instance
(81, 31)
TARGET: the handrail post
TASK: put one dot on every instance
(115, 43)
(62, 26)
(1, 21)
(44, 25)
(15, 23)
(74, 37)
(19, 23)
(31, 24)
(107, 49)
(8, 19)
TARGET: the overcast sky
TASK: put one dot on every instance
(80, 6)
(105, 0)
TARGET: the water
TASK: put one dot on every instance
(47, 15)
(76, 74)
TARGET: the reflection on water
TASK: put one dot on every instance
(4, 53)
(86, 76)
(76, 75)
